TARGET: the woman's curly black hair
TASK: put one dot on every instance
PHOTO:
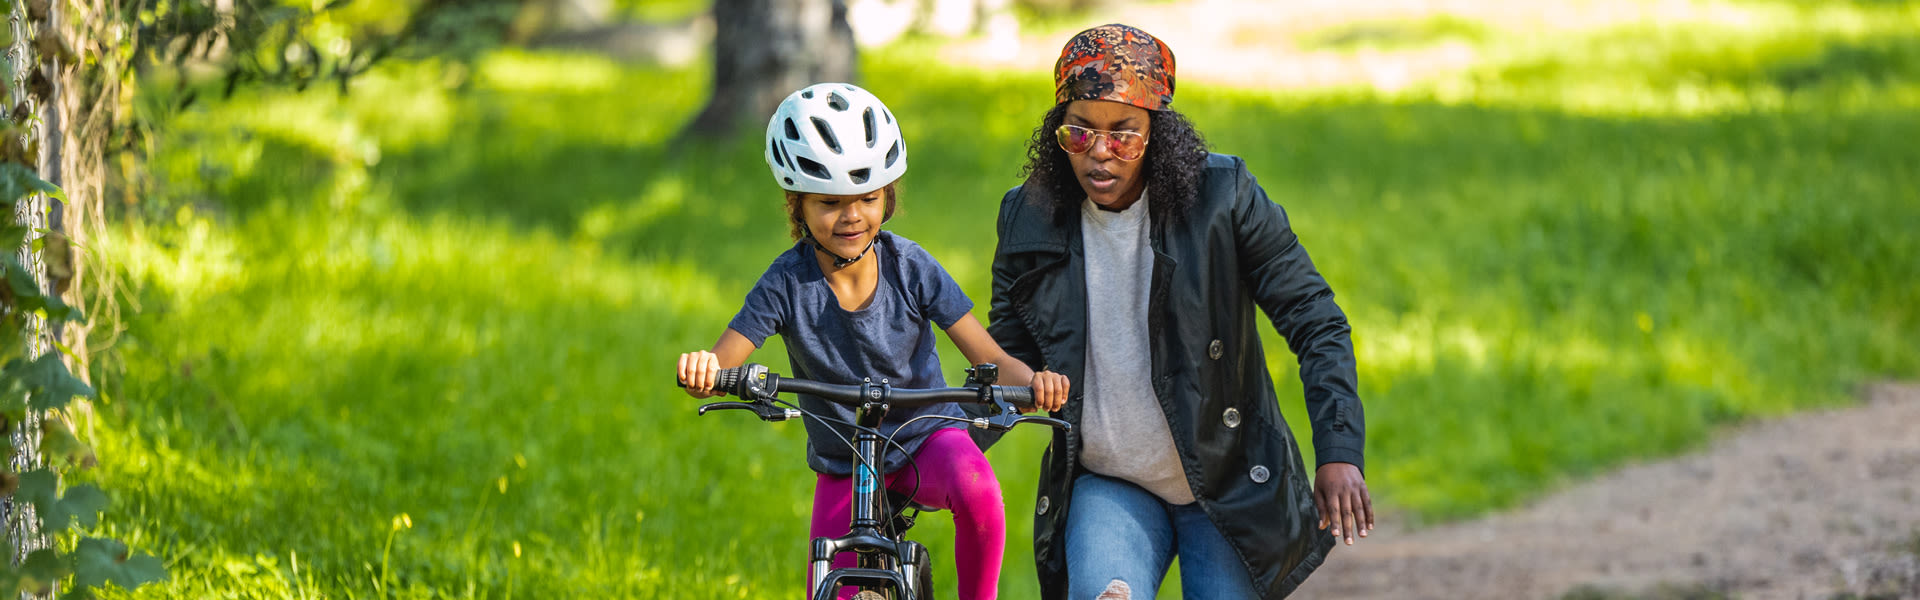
(1176, 158)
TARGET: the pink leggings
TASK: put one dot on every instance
(954, 475)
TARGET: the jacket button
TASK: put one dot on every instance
(1215, 349)
(1231, 418)
(1259, 474)
(1040, 508)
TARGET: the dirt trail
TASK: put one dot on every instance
(1818, 505)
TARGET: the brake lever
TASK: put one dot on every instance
(1047, 421)
(765, 410)
(1008, 420)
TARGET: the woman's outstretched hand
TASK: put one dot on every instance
(698, 372)
(1050, 390)
(1340, 492)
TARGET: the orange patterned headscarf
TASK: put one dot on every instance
(1118, 63)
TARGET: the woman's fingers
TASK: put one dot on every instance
(1366, 502)
(1335, 511)
(1322, 505)
(1353, 518)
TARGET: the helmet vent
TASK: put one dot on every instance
(838, 102)
(807, 93)
(826, 135)
(889, 115)
(893, 154)
(813, 169)
(793, 133)
(859, 176)
(873, 132)
(773, 149)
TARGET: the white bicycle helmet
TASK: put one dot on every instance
(836, 139)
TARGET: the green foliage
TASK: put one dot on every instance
(17, 181)
(462, 308)
(40, 571)
(40, 487)
(26, 295)
(297, 44)
(48, 383)
(92, 562)
(99, 561)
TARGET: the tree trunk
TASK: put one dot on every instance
(33, 90)
(766, 49)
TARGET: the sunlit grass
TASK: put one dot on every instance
(452, 299)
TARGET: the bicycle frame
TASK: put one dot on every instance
(885, 562)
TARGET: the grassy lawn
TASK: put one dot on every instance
(416, 342)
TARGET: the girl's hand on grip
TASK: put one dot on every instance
(698, 372)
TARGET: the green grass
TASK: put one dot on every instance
(458, 310)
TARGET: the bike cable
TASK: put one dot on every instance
(887, 440)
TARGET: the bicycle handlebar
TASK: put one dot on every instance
(854, 395)
(756, 386)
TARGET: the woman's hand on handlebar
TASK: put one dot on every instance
(698, 371)
(1050, 390)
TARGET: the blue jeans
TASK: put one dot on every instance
(1117, 531)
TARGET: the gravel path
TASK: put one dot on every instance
(1819, 505)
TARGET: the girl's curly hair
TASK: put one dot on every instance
(1176, 158)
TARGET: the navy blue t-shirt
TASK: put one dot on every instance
(889, 339)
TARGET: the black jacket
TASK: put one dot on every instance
(1233, 253)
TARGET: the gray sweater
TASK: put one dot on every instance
(1124, 429)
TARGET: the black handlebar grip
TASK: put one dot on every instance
(1020, 396)
(728, 381)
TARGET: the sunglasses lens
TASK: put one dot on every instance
(1126, 146)
(1074, 140)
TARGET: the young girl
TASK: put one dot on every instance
(853, 302)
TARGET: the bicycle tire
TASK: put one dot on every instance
(923, 577)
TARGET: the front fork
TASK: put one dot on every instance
(909, 579)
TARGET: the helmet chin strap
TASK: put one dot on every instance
(839, 262)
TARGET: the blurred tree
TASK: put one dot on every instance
(766, 49)
(564, 15)
(621, 32)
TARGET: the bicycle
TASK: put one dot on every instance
(891, 567)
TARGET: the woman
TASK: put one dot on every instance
(1132, 261)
